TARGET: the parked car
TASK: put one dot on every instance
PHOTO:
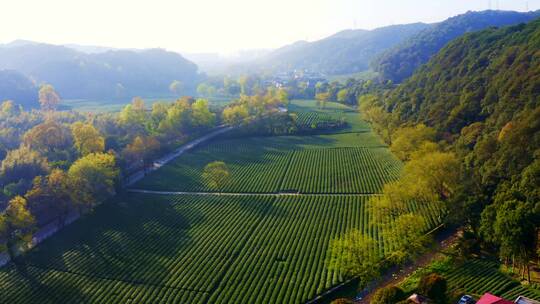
(466, 299)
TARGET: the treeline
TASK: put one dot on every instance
(430, 177)
(55, 163)
(478, 102)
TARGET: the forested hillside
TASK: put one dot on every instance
(17, 87)
(401, 61)
(346, 52)
(112, 74)
(481, 96)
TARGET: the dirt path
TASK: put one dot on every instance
(247, 193)
(444, 240)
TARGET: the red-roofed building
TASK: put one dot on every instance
(488, 298)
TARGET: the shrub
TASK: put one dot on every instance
(434, 287)
(388, 295)
(342, 301)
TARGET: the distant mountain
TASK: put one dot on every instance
(108, 74)
(215, 63)
(17, 87)
(90, 49)
(401, 61)
(348, 51)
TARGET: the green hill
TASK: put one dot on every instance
(401, 61)
(110, 74)
(346, 52)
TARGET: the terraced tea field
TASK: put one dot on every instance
(257, 167)
(477, 277)
(192, 249)
(254, 242)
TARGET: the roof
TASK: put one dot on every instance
(419, 299)
(524, 300)
(488, 298)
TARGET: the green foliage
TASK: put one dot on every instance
(176, 87)
(216, 174)
(401, 61)
(92, 179)
(16, 224)
(352, 256)
(22, 163)
(87, 138)
(48, 98)
(407, 140)
(479, 94)
(48, 136)
(388, 295)
(434, 287)
(202, 117)
(345, 52)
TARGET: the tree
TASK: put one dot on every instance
(355, 255)
(22, 163)
(92, 179)
(16, 225)
(9, 109)
(201, 115)
(512, 225)
(142, 149)
(87, 138)
(434, 287)
(342, 95)
(407, 140)
(235, 115)
(48, 98)
(178, 118)
(202, 89)
(53, 193)
(48, 137)
(388, 295)
(133, 115)
(383, 123)
(176, 87)
(322, 98)
(244, 81)
(407, 235)
(216, 174)
(432, 176)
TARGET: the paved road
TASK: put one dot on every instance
(135, 177)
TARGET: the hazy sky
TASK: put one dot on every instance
(216, 25)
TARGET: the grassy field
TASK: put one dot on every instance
(242, 248)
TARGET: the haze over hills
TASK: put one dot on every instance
(103, 74)
(401, 61)
(393, 51)
(16, 86)
(84, 71)
(345, 52)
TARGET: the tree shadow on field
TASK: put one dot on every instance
(131, 239)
